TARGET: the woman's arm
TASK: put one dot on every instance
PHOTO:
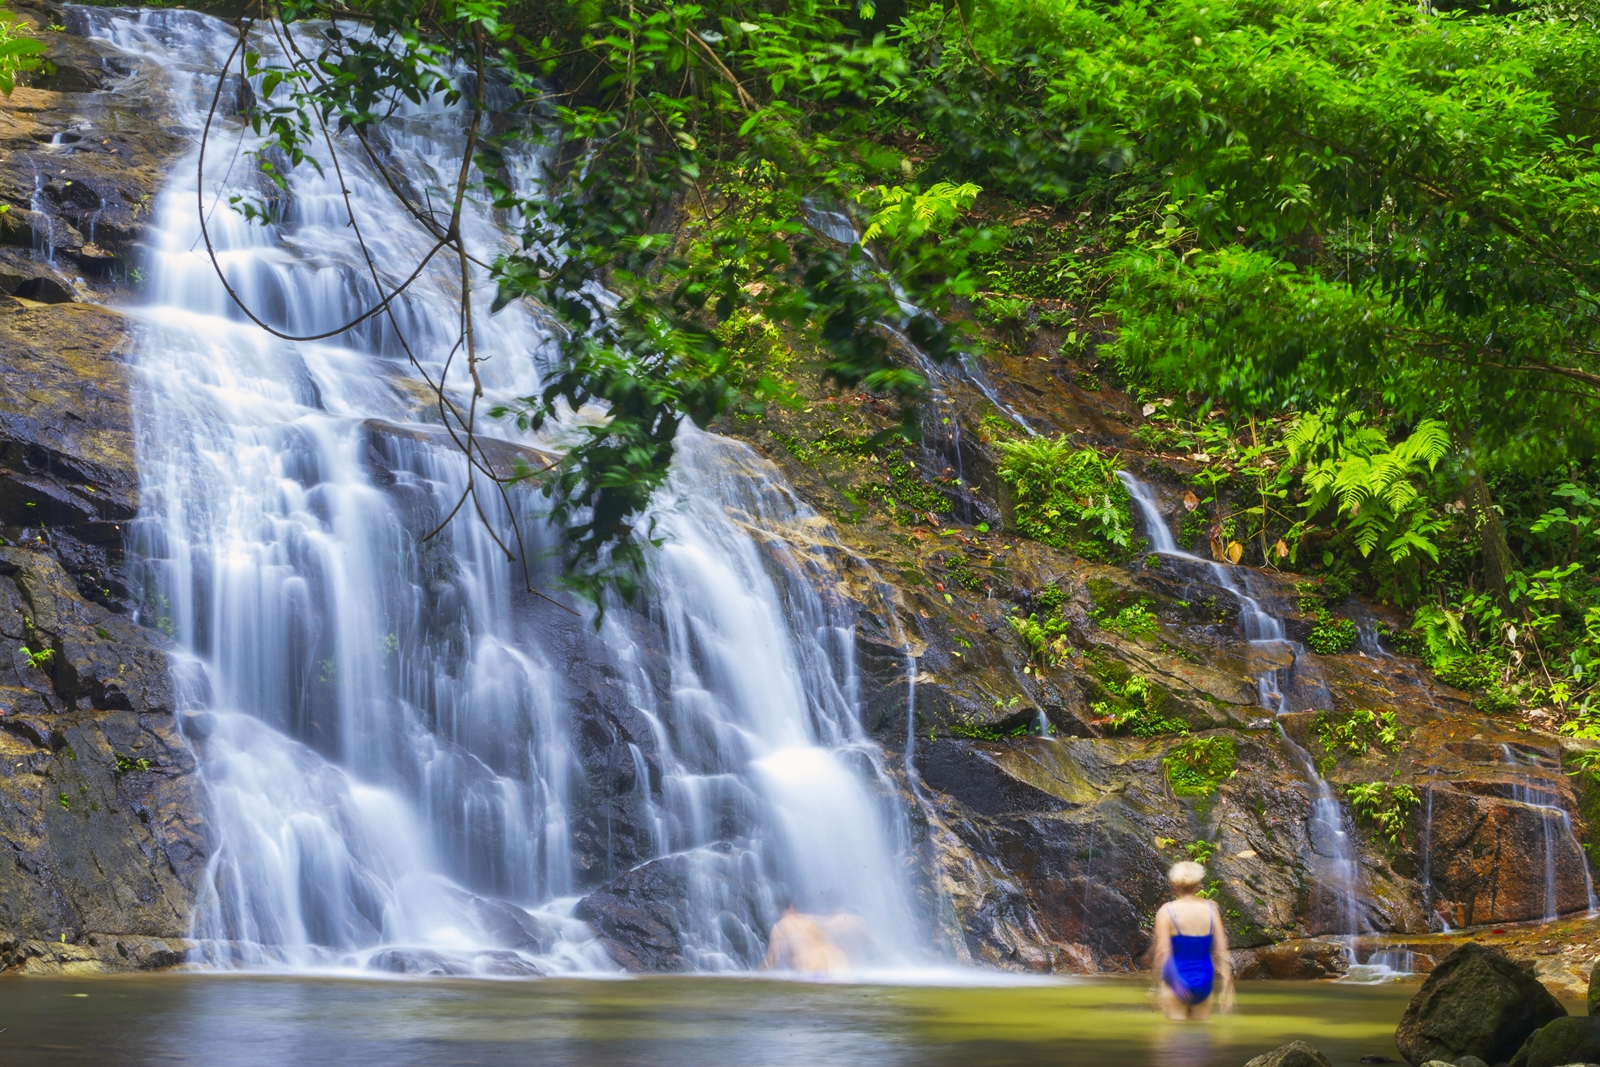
(1222, 960)
(1162, 947)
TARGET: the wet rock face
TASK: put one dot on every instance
(1500, 860)
(83, 155)
(1475, 1003)
(102, 840)
(638, 916)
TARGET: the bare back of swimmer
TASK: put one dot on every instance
(798, 942)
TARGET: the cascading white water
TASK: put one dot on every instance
(769, 784)
(382, 727)
(1336, 874)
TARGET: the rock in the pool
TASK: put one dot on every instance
(1475, 1003)
(1564, 1042)
(1294, 1054)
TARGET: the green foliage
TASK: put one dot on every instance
(1357, 733)
(1586, 727)
(1200, 851)
(1371, 483)
(129, 763)
(19, 51)
(1134, 707)
(1332, 634)
(1197, 766)
(1385, 807)
(1045, 641)
(961, 572)
(1063, 496)
(1192, 528)
(1135, 620)
(1308, 210)
(38, 660)
(974, 729)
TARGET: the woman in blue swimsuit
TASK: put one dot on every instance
(1191, 949)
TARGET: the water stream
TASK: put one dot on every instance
(1336, 871)
(385, 726)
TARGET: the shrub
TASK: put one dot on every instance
(1385, 807)
(1063, 495)
(1045, 641)
(1332, 634)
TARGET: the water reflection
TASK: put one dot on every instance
(665, 1022)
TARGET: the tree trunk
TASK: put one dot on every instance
(1497, 558)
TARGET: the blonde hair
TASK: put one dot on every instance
(1186, 875)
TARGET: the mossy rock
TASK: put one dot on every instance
(1475, 1003)
(1573, 1040)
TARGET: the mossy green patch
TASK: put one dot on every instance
(1196, 766)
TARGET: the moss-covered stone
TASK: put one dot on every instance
(1475, 1003)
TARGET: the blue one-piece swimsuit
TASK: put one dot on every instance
(1189, 970)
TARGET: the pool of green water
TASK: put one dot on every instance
(242, 1021)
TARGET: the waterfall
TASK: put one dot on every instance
(384, 722)
(1336, 871)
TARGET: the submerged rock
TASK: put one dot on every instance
(1476, 1002)
(1294, 1054)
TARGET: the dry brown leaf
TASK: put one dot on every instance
(1190, 501)
(1235, 551)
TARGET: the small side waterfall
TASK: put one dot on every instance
(1336, 871)
(384, 722)
(1555, 829)
(1270, 646)
(1429, 897)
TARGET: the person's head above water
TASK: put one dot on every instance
(1186, 877)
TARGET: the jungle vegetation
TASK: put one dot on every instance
(1346, 253)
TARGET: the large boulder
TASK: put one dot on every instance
(1594, 990)
(1573, 1040)
(1294, 1054)
(1475, 1003)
